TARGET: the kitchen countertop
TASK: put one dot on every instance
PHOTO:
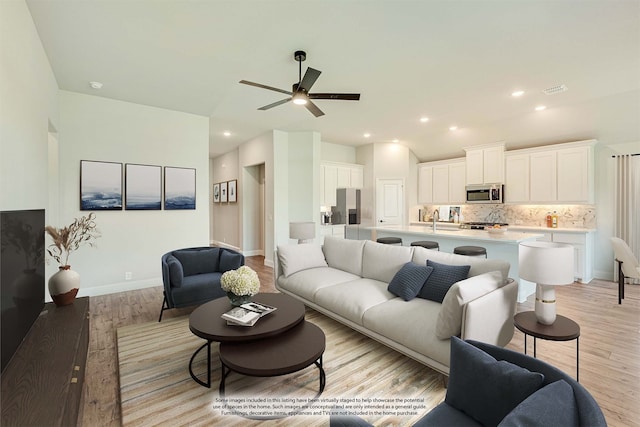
(536, 229)
(462, 234)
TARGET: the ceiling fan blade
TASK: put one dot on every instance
(245, 82)
(342, 96)
(310, 77)
(275, 104)
(314, 109)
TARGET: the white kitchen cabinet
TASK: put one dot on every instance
(574, 177)
(542, 178)
(337, 230)
(516, 189)
(425, 185)
(485, 164)
(582, 253)
(338, 175)
(457, 179)
(441, 184)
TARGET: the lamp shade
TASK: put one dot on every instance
(546, 263)
(302, 230)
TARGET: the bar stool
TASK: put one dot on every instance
(427, 244)
(471, 251)
(390, 240)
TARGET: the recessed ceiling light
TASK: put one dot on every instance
(226, 133)
(540, 107)
(424, 119)
(517, 93)
(95, 85)
(367, 135)
(395, 141)
(453, 127)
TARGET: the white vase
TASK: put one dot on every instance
(64, 285)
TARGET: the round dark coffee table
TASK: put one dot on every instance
(286, 353)
(205, 322)
(563, 329)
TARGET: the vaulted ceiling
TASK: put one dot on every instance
(454, 62)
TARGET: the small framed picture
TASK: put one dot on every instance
(216, 193)
(223, 192)
(233, 191)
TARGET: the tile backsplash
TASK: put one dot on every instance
(569, 216)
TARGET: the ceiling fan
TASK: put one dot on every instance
(300, 92)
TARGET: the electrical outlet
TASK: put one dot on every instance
(578, 223)
(518, 221)
(128, 275)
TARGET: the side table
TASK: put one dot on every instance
(563, 329)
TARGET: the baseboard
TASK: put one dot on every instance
(253, 253)
(603, 275)
(224, 245)
(268, 262)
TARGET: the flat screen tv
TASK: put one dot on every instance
(21, 276)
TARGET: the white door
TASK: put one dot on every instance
(390, 201)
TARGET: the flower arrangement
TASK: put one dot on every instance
(82, 231)
(243, 281)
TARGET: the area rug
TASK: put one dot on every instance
(362, 376)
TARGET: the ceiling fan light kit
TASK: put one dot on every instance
(300, 91)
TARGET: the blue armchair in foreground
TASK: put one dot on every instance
(191, 276)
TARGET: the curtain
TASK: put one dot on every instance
(627, 201)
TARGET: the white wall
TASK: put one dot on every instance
(93, 128)
(225, 226)
(28, 107)
(330, 152)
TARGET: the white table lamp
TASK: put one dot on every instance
(548, 265)
(303, 231)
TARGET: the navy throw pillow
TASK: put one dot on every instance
(229, 261)
(442, 278)
(484, 388)
(552, 405)
(175, 271)
(409, 280)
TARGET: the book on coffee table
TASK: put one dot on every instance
(247, 314)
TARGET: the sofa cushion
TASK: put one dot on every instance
(409, 280)
(445, 415)
(381, 262)
(198, 288)
(229, 260)
(553, 404)
(350, 300)
(484, 388)
(175, 271)
(294, 258)
(198, 261)
(478, 265)
(411, 324)
(344, 254)
(306, 283)
(450, 316)
(441, 279)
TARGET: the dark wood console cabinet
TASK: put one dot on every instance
(42, 384)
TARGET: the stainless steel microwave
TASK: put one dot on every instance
(489, 193)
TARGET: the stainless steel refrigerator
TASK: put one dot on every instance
(347, 209)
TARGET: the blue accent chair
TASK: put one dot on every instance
(191, 276)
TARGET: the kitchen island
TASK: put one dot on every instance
(498, 245)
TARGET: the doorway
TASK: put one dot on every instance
(253, 210)
(390, 201)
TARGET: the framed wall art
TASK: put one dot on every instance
(216, 193)
(233, 191)
(100, 186)
(179, 188)
(143, 187)
(223, 192)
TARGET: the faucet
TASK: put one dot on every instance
(436, 217)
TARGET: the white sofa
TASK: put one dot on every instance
(347, 280)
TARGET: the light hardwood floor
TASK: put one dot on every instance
(609, 345)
